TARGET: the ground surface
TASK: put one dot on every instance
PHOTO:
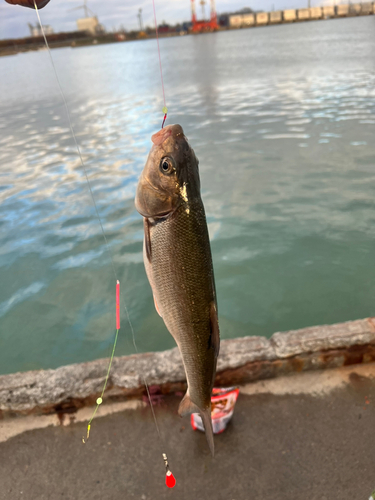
(301, 437)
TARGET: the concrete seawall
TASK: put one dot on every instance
(243, 360)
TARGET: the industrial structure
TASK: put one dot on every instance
(203, 24)
(37, 31)
(246, 20)
(89, 24)
(140, 20)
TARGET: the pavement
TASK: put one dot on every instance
(306, 436)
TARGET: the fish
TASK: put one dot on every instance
(178, 263)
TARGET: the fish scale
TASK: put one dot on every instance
(183, 283)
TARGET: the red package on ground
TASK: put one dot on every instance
(222, 407)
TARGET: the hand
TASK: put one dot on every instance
(29, 3)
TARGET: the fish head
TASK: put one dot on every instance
(170, 176)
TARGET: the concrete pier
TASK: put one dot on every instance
(306, 435)
(302, 425)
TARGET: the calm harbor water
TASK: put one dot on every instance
(282, 119)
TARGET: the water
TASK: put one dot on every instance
(282, 119)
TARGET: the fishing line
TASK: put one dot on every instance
(74, 137)
(99, 400)
(165, 109)
(170, 480)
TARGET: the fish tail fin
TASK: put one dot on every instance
(187, 407)
(207, 422)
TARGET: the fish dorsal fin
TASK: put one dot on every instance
(146, 227)
(214, 340)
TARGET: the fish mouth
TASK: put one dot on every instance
(164, 133)
(161, 136)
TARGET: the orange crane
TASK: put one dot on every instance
(203, 25)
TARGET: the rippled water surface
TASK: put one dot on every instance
(282, 120)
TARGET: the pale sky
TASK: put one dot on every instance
(114, 13)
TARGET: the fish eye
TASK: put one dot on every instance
(166, 165)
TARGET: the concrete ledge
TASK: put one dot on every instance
(242, 360)
(324, 337)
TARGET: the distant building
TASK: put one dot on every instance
(303, 14)
(248, 19)
(367, 8)
(328, 11)
(315, 12)
(36, 30)
(276, 16)
(355, 9)
(262, 18)
(342, 10)
(223, 20)
(165, 28)
(290, 15)
(235, 21)
(90, 25)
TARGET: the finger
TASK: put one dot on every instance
(29, 3)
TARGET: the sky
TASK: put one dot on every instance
(115, 13)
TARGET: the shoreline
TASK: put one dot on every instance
(9, 47)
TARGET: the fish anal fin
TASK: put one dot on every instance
(146, 227)
(187, 406)
(214, 339)
(157, 307)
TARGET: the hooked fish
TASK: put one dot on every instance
(178, 262)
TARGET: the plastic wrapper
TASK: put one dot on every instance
(222, 408)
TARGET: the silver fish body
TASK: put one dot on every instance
(178, 263)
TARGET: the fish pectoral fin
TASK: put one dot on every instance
(157, 307)
(187, 406)
(146, 227)
(214, 339)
